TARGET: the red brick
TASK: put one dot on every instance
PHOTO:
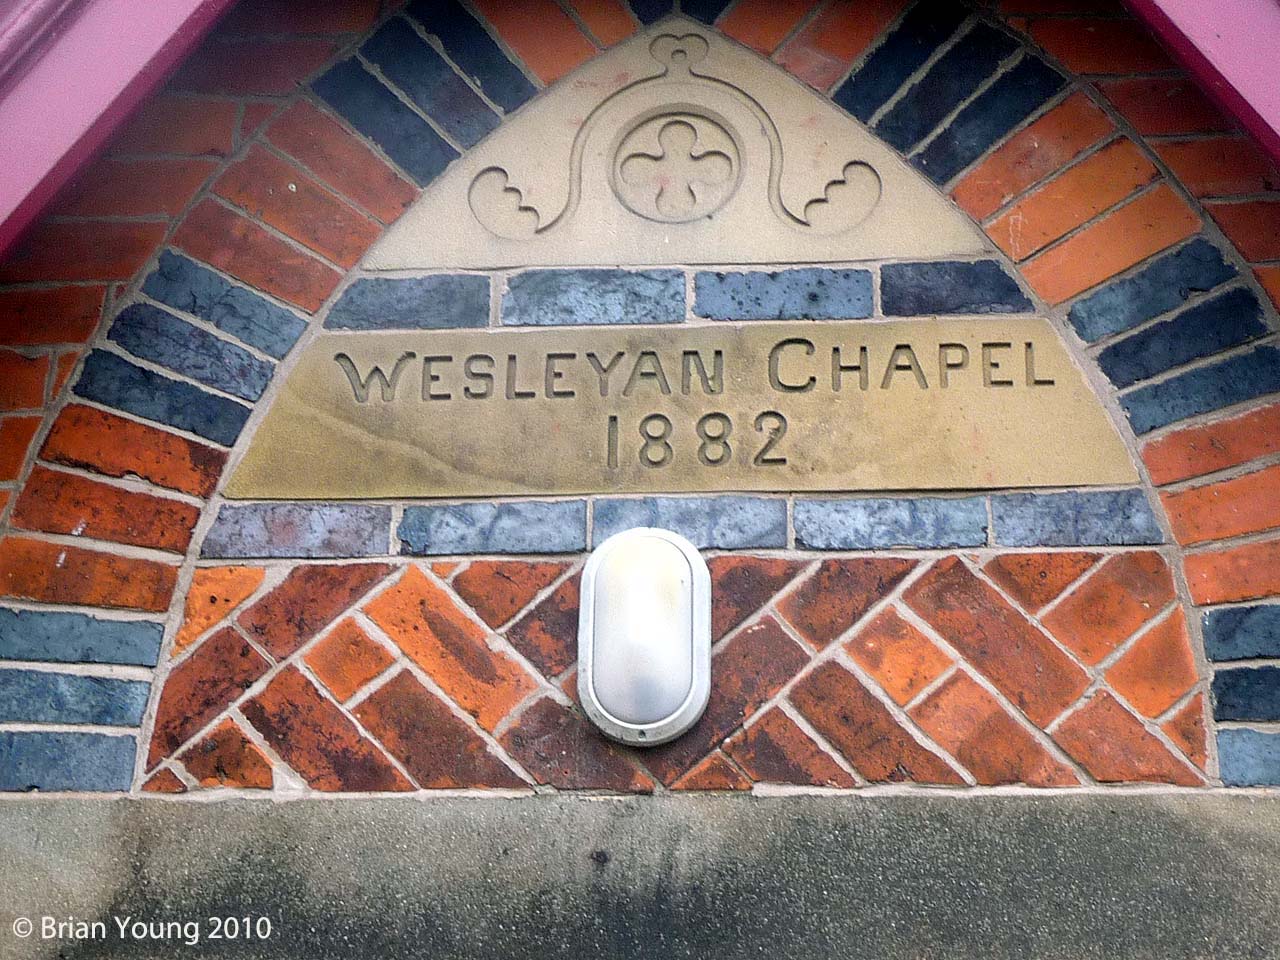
(225, 757)
(263, 68)
(560, 748)
(499, 589)
(66, 366)
(1238, 573)
(1114, 747)
(427, 625)
(443, 570)
(1164, 106)
(308, 600)
(1186, 729)
(239, 246)
(608, 20)
(49, 316)
(547, 636)
(186, 126)
(1252, 225)
(1195, 451)
(741, 585)
(347, 659)
(1158, 670)
(839, 593)
(341, 161)
(540, 33)
(214, 593)
(713, 773)
(823, 51)
(22, 381)
(439, 750)
(134, 188)
(898, 656)
(4, 499)
(276, 17)
(82, 250)
(52, 573)
(1220, 166)
(201, 687)
(282, 196)
(763, 24)
(165, 781)
(971, 725)
(1087, 45)
(55, 502)
(254, 118)
(748, 669)
(843, 711)
(1269, 277)
(1035, 579)
(318, 740)
(775, 750)
(1110, 606)
(16, 434)
(1229, 508)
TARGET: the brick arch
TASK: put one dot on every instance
(1111, 244)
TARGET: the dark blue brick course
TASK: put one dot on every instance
(705, 11)
(417, 303)
(1249, 758)
(157, 335)
(310, 530)
(474, 51)
(186, 285)
(1075, 518)
(923, 30)
(1241, 633)
(555, 297)
(1017, 94)
(465, 528)
(891, 522)
(1156, 289)
(427, 79)
(77, 638)
(1209, 388)
(114, 382)
(376, 112)
(949, 82)
(33, 696)
(1247, 693)
(650, 11)
(813, 293)
(65, 761)
(914, 289)
(1226, 321)
(726, 523)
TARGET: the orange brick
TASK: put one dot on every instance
(15, 438)
(775, 750)
(608, 20)
(1162, 106)
(1231, 508)
(1114, 746)
(22, 381)
(821, 52)
(214, 593)
(82, 250)
(900, 658)
(166, 781)
(134, 188)
(1089, 45)
(1060, 135)
(1158, 669)
(264, 68)
(1220, 166)
(541, 34)
(239, 246)
(763, 24)
(274, 17)
(4, 499)
(1252, 225)
(1186, 729)
(1196, 451)
(341, 161)
(1071, 198)
(1036, 579)
(116, 447)
(48, 316)
(282, 196)
(66, 366)
(347, 659)
(56, 502)
(1269, 277)
(187, 126)
(713, 773)
(227, 758)
(1142, 227)
(53, 573)
(1237, 573)
(499, 589)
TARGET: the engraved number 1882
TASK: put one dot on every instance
(714, 435)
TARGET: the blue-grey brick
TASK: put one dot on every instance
(650, 11)
(376, 112)
(1225, 321)
(115, 382)
(705, 11)
(426, 78)
(556, 297)
(1075, 518)
(464, 528)
(77, 638)
(1249, 758)
(916, 289)
(474, 51)
(924, 29)
(812, 293)
(164, 339)
(186, 285)
(1247, 693)
(726, 523)
(951, 80)
(36, 696)
(1204, 390)
(1014, 96)
(1241, 633)
(443, 301)
(65, 761)
(873, 523)
(1156, 289)
(311, 530)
